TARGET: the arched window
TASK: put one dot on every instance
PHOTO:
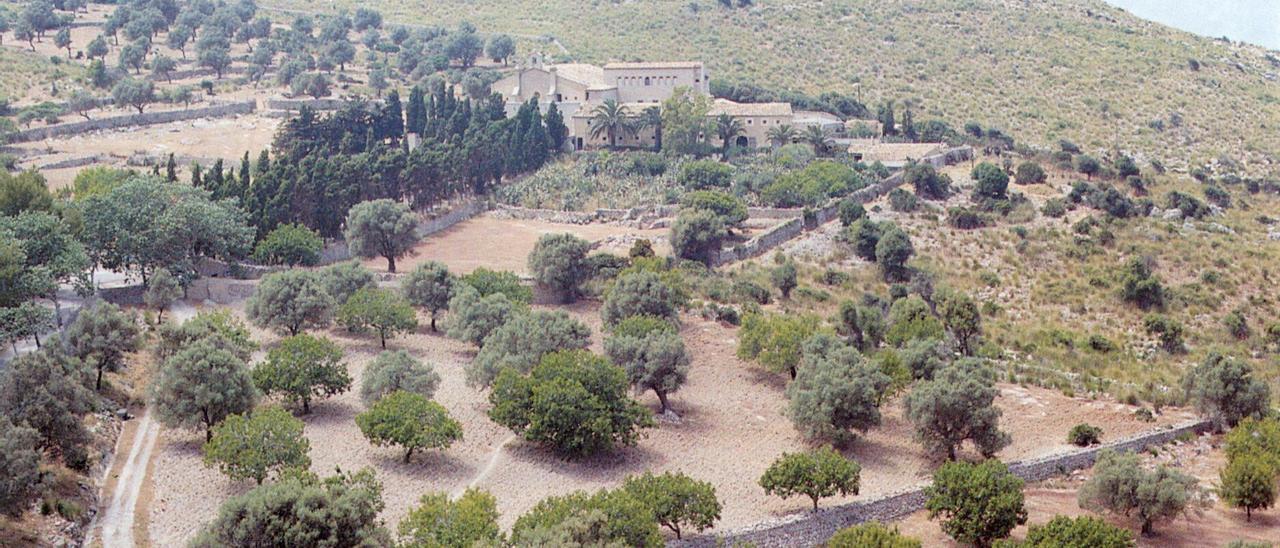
(646, 80)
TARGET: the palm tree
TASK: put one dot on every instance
(651, 117)
(819, 137)
(727, 127)
(611, 118)
(782, 135)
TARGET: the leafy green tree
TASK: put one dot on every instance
(731, 209)
(303, 367)
(558, 262)
(776, 340)
(684, 121)
(429, 286)
(290, 301)
(1258, 437)
(910, 320)
(200, 386)
(863, 325)
(1168, 330)
(300, 508)
(19, 467)
(268, 440)
(473, 318)
(438, 521)
(893, 250)
(817, 474)
(652, 353)
(642, 293)
(391, 371)
(871, 535)
(924, 357)
(378, 309)
(992, 182)
(963, 319)
(163, 67)
(927, 182)
(219, 327)
(47, 391)
(979, 503)
(697, 234)
(289, 245)
(864, 235)
(1141, 286)
(162, 290)
(1089, 531)
(678, 502)
(783, 277)
(606, 518)
(1121, 485)
(97, 48)
(410, 421)
(500, 48)
(1088, 165)
(704, 175)
(574, 401)
(522, 341)
(342, 280)
(1029, 173)
(958, 404)
(133, 93)
(851, 211)
(1248, 482)
(488, 282)
(383, 228)
(1225, 390)
(101, 336)
(835, 391)
(26, 191)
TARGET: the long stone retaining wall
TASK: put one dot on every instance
(815, 528)
(325, 103)
(144, 119)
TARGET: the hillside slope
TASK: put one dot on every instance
(1043, 70)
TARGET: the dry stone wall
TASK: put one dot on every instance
(131, 120)
(815, 528)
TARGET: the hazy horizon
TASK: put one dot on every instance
(1253, 21)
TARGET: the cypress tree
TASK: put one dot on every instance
(196, 179)
(171, 169)
(416, 115)
(557, 132)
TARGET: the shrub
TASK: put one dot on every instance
(397, 370)
(871, 535)
(472, 317)
(380, 310)
(731, 209)
(1237, 325)
(1029, 173)
(1168, 330)
(1217, 196)
(992, 182)
(924, 357)
(201, 385)
(958, 404)
(1054, 207)
(816, 474)
(1062, 531)
(748, 291)
(678, 502)
(902, 201)
(979, 503)
(606, 518)
(410, 421)
(573, 400)
(438, 521)
(342, 280)
(521, 343)
(1126, 167)
(20, 467)
(652, 353)
(851, 210)
(705, 174)
(428, 286)
(965, 218)
(303, 367)
(1141, 287)
(864, 325)
(641, 293)
(269, 440)
(697, 234)
(300, 508)
(290, 301)
(1225, 390)
(835, 391)
(290, 245)
(863, 235)
(910, 319)
(1190, 207)
(558, 261)
(1084, 435)
(1120, 485)
(489, 282)
(927, 182)
(892, 253)
(1099, 343)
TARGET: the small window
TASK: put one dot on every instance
(646, 80)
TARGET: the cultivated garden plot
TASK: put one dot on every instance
(731, 427)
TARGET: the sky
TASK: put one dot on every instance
(1253, 21)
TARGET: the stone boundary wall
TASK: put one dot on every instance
(813, 529)
(144, 119)
(324, 103)
(76, 161)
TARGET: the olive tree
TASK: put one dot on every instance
(429, 286)
(383, 227)
(696, 235)
(523, 341)
(1121, 485)
(268, 440)
(817, 474)
(958, 404)
(101, 335)
(574, 401)
(641, 293)
(558, 261)
(652, 353)
(962, 318)
(473, 317)
(893, 250)
(992, 182)
(979, 503)
(862, 324)
(1081, 531)
(162, 290)
(410, 421)
(290, 245)
(835, 391)
(200, 386)
(1225, 390)
(678, 502)
(290, 301)
(397, 370)
(606, 518)
(342, 280)
(380, 310)
(776, 340)
(48, 391)
(19, 466)
(303, 367)
(469, 520)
